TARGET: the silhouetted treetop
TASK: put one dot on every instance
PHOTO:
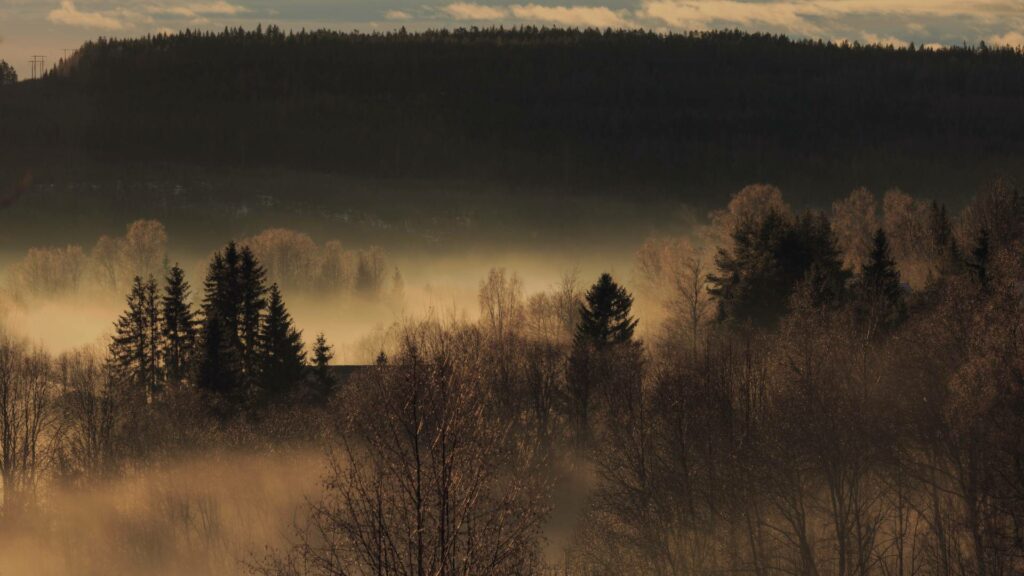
(769, 255)
(605, 316)
(8, 75)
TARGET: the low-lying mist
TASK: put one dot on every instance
(414, 284)
(523, 398)
(211, 513)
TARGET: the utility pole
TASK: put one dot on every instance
(38, 66)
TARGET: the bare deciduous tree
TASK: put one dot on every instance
(26, 397)
(426, 480)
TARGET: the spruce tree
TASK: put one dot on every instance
(8, 75)
(980, 256)
(769, 257)
(948, 257)
(135, 348)
(322, 356)
(812, 255)
(605, 316)
(283, 358)
(880, 291)
(222, 289)
(178, 326)
(219, 369)
(252, 303)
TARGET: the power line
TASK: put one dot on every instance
(38, 66)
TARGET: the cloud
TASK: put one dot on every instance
(884, 41)
(810, 17)
(195, 10)
(583, 16)
(69, 15)
(703, 14)
(468, 11)
(397, 15)
(1012, 39)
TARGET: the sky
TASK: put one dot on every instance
(49, 27)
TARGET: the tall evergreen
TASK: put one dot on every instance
(252, 303)
(881, 298)
(178, 326)
(8, 75)
(605, 316)
(949, 260)
(322, 379)
(980, 256)
(283, 360)
(219, 368)
(814, 257)
(769, 257)
(135, 348)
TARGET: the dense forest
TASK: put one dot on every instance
(587, 110)
(832, 392)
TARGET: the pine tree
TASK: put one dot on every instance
(219, 369)
(252, 291)
(980, 256)
(814, 257)
(135, 348)
(283, 358)
(880, 291)
(605, 316)
(178, 326)
(222, 290)
(769, 257)
(948, 258)
(8, 75)
(322, 356)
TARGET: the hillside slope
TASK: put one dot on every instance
(695, 114)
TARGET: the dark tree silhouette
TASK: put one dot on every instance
(136, 345)
(881, 299)
(220, 365)
(178, 328)
(769, 256)
(947, 251)
(605, 315)
(323, 382)
(556, 106)
(602, 351)
(252, 292)
(8, 75)
(283, 358)
(980, 256)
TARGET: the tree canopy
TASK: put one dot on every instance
(585, 109)
(8, 75)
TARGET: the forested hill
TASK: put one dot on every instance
(556, 107)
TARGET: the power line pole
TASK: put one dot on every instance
(38, 66)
